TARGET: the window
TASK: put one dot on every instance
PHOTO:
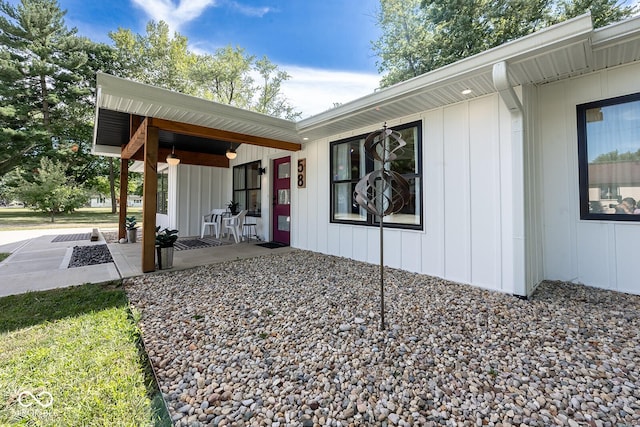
(609, 158)
(163, 192)
(246, 187)
(349, 163)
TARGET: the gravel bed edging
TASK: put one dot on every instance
(293, 340)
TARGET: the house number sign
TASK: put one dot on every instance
(302, 173)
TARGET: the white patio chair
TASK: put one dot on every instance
(213, 219)
(234, 225)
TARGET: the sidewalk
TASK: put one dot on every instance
(36, 263)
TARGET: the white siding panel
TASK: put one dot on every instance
(311, 194)
(301, 204)
(534, 200)
(321, 167)
(411, 252)
(456, 193)
(393, 248)
(333, 239)
(346, 241)
(622, 81)
(593, 251)
(627, 237)
(360, 243)
(559, 240)
(433, 172)
(484, 161)
(373, 245)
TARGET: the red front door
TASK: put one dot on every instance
(281, 200)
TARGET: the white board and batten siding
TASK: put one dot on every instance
(463, 149)
(597, 253)
(199, 189)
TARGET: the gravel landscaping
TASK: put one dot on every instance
(294, 340)
(89, 255)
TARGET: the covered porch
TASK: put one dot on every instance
(139, 122)
(128, 258)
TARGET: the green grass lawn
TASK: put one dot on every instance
(23, 219)
(76, 350)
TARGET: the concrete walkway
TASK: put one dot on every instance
(37, 263)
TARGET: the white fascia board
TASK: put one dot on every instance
(616, 33)
(95, 120)
(128, 93)
(105, 150)
(546, 40)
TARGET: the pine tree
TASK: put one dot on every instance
(41, 95)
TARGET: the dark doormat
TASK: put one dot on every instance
(206, 242)
(71, 237)
(272, 245)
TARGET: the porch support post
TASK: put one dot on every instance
(124, 184)
(149, 200)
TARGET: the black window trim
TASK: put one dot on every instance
(583, 162)
(370, 220)
(247, 189)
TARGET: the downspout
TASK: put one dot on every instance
(516, 257)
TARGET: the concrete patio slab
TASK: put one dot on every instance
(36, 263)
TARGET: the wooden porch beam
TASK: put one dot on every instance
(222, 135)
(149, 200)
(137, 140)
(189, 158)
(124, 184)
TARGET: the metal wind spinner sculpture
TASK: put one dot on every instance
(382, 192)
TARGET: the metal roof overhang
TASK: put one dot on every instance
(117, 99)
(568, 49)
(564, 50)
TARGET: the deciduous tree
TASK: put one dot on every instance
(49, 189)
(421, 35)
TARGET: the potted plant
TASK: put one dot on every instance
(132, 228)
(233, 207)
(164, 247)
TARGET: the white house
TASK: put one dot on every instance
(499, 151)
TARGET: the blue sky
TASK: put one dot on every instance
(325, 45)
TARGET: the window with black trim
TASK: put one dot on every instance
(162, 201)
(609, 158)
(349, 163)
(247, 187)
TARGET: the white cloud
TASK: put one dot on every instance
(313, 90)
(249, 10)
(174, 16)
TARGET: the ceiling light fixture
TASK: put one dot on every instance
(172, 159)
(231, 152)
(466, 91)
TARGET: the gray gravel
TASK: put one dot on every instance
(294, 340)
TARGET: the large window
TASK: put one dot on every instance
(349, 163)
(246, 187)
(609, 158)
